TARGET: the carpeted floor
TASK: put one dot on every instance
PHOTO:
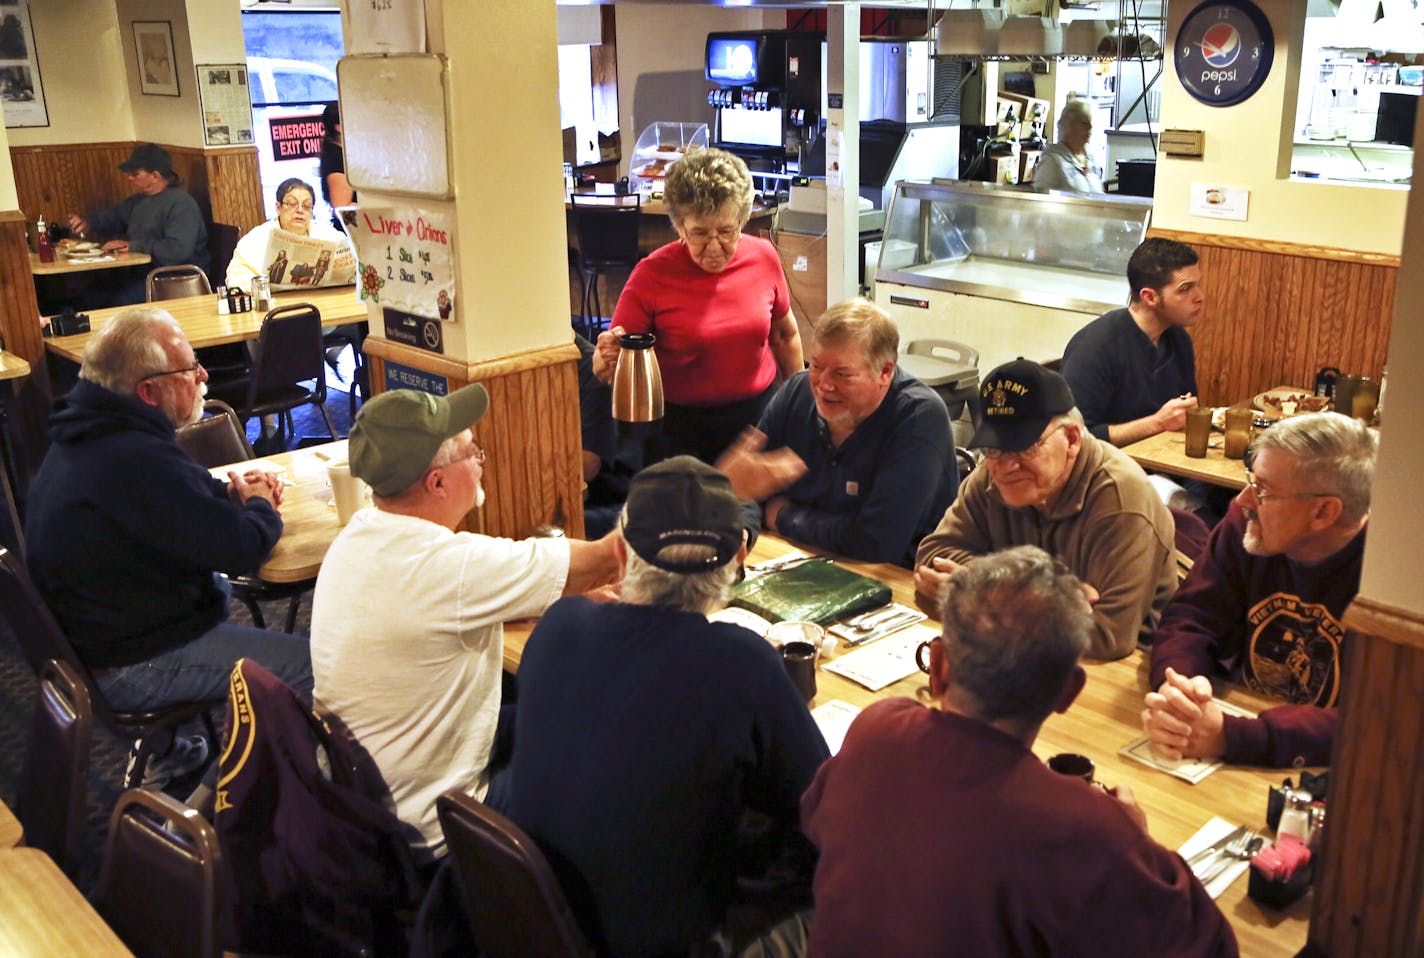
(109, 755)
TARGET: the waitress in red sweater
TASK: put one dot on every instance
(718, 303)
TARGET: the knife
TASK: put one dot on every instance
(1217, 846)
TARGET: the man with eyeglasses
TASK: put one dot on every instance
(408, 614)
(1046, 481)
(1263, 606)
(128, 534)
(861, 459)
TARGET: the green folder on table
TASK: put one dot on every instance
(815, 591)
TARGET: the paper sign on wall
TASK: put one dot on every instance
(405, 259)
(1219, 202)
(385, 26)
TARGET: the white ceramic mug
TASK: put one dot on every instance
(348, 492)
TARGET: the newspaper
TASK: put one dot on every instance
(303, 262)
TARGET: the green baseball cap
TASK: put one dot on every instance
(396, 434)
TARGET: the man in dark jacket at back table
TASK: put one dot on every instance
(159, 219)
(128, 534)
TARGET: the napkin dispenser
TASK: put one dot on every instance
(67, 323)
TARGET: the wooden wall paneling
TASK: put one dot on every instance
(235, 187)
(1276, 313)
(19, 323)
(1369, 893)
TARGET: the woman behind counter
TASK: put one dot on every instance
(1066, 164)
(718, 303)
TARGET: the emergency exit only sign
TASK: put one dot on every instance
(297, 137)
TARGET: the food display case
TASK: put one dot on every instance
(659, 145)
(1010, 272)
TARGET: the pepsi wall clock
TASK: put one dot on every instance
(1223, 51)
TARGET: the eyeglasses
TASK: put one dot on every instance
(173, 372)
(293, 207)
(700, 237)
(1265, 496)
(1024, 455)
(477, 453)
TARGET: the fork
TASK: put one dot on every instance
(1242, 849)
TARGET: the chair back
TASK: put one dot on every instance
(173, 282)
(514, 901)
(222, 243)
(159, 885)
(217, 439)
(948, 349)
(1191, 533)
(52, 788)
(34, 626)
(289, 352)
(607, 229)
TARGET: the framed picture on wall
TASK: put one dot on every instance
(157, 63)
(21, 91)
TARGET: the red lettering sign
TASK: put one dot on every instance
(297, 137)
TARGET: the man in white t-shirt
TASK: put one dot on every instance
(407, 620)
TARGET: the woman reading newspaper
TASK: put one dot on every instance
(292, 251)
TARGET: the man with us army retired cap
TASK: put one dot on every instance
(407, 620)
(645, 730)
(1046, 481)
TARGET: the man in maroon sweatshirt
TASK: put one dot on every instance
(1263, 605)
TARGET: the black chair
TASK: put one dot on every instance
(513, 899)
(222, 243)
(41, 639)
(54, 783)
(217, 440)
(288, 355)
(607, 230)
(160, 882)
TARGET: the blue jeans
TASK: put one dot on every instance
(200, 669)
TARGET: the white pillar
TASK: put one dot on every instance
(842, 151)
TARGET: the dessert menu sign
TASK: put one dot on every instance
(405, 259)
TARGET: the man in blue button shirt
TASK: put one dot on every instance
(862, 457)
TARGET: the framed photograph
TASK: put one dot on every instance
(157, 63)
(21, 91)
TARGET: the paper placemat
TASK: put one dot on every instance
(834, 718)
(1188, 769)
(885, 662)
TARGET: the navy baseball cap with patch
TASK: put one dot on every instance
(1018, 400)
(148, 156)
(683, 516)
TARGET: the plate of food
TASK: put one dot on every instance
(1286, 401)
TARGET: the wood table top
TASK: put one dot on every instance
(62, 264)
(11, 831)
(1166, 453)
(43, 914)
(1103, 719)
(12, 366)
(204, 326)
(309, 523)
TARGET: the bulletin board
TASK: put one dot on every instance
(393, 123)
(226, 103)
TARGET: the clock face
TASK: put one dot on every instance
(1223, 51)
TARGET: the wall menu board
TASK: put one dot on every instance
(393, 123)
(406, 262)
(226, 103)
(20, 88)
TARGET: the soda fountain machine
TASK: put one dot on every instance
(767, 95)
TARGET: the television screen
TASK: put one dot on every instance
(732, 59)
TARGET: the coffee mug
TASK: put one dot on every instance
(922, 655)
(800, 660)
(793, 631)
(1075, 766)
(348, 492)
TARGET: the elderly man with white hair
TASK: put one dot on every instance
(128, 534)
(1264, 604)
(1067, 165)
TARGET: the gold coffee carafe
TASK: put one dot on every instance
(637, 382)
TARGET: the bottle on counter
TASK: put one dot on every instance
(43, 246)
